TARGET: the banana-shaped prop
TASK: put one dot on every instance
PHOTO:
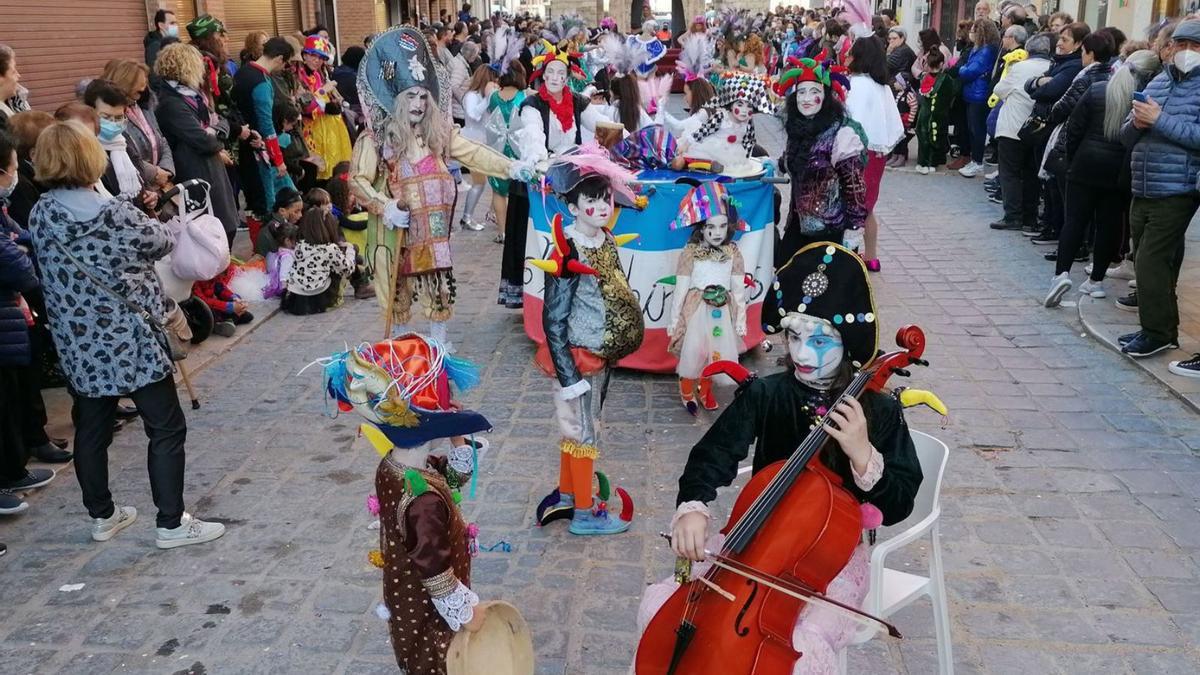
(913, 397)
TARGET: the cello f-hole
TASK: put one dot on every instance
(743, 631)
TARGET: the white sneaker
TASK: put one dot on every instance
(1133, 284)
(1122, 271)
(1059, 286)
(930, 170)
(191, 530)
(971, 170)
(1093, 288)
(104, 529)
(921, 169)
(992, 175)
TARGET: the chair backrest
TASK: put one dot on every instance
(933, 455)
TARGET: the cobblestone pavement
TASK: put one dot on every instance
(1070, 525)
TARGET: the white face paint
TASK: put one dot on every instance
(715, 230)
(416, 102)
(810, 96)
(591, 213)
(816, 349)
(741, 111)
(555, 76)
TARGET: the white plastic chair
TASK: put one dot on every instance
(892, 590)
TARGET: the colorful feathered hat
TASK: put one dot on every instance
(504, 46)
(695, 57)
(704, 201)
(550, 52)
(319, 46)
(830, 282)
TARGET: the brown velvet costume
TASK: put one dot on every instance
(423, 540)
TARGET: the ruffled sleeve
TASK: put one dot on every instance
(427, 522)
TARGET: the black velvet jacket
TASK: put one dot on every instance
(768, 414)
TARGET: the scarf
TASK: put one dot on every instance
(564, 110)
(129, 179)
(135, 115)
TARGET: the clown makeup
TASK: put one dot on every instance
(591, 213)
(555, 76)
(416, 100)
(741, 111)
(810, 96)
(816, 350)
(715, 230)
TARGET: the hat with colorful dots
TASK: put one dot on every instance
(828, 281)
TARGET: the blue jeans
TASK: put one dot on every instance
(977, 114)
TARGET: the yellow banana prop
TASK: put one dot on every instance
(914, 397)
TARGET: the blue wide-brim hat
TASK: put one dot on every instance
(398, 59)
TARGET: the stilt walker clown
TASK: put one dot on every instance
(399, 172)
(592, 320)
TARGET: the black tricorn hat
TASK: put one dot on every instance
(827, 281)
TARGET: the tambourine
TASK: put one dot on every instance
(502, 646)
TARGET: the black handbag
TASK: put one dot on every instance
(1032, 130)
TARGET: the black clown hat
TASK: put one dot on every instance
(828, 281)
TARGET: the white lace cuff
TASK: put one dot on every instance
(689, 507)
(461, 459)
(574, 391)
(454, 601)
(871, 476)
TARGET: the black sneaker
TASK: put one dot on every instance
(1005, 225)
(11, 504)
(126, 412)
(1052, 256)
(995, 198)
(1189, 367)
(1145, 345)
(1031, 231)
(34, 478)
(1128, 302)
(1045, 239)
(1128, 337)
(3, 549)
(1083, 256)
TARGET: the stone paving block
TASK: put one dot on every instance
(1114, 594)
(1128, 627)
(1004, 659)
(1158, 564)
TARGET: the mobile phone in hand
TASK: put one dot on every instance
(1140, 96)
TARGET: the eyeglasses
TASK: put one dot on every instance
(112, 118)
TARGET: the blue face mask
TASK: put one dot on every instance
(173, 31)
(285, 139)
(109, 130)
(791, 34)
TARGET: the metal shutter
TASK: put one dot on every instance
(276, 17)
(41, 34)
(381, 15)
(185, 11)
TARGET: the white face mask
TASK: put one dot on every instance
(816, 349)
(592, 213)
(416, 102)
(741, 111)
(1186, 60)
(715, 230)
(809, 98)
(555, 76)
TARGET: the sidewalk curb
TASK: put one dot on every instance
(1090, 310)
(197, 366)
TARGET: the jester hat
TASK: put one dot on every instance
(704, 201)
(751, 89)
(830, 282)
(402, 385)
(319, 46)
(550, 52)
(813, 70)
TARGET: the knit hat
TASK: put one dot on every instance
(1187, 30)
(813, 70)
(319, 46)
(828, 281)
(204, 26)
(704, 201)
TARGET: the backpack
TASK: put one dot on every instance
(201, 247)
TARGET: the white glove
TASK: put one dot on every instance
(395, 217)
(522, 170)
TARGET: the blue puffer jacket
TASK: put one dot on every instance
(16, 277)
(975, 76)
(1166, 157)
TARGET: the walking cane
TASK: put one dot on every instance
(187, 383)
(394, 275)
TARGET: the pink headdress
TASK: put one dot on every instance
(695, 57)
(590, 159)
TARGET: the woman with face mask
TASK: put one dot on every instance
(127, 175)
(141, 129)
(829, 323)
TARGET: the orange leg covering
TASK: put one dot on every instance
(686, 388)
(565, 480)
(581, 471)
(706, 396)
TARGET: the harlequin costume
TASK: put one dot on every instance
(719, 137)
(402, 388)
(324, 129)
(708, 308)
(390, 179)
(826, 158)
(591, 319)
(776, 413)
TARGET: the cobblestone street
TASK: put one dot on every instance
(1070, 527)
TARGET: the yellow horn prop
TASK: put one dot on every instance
(915, 397)
(547, 266)
(378, 440)
(622, 239)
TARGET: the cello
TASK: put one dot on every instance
(792, 530)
